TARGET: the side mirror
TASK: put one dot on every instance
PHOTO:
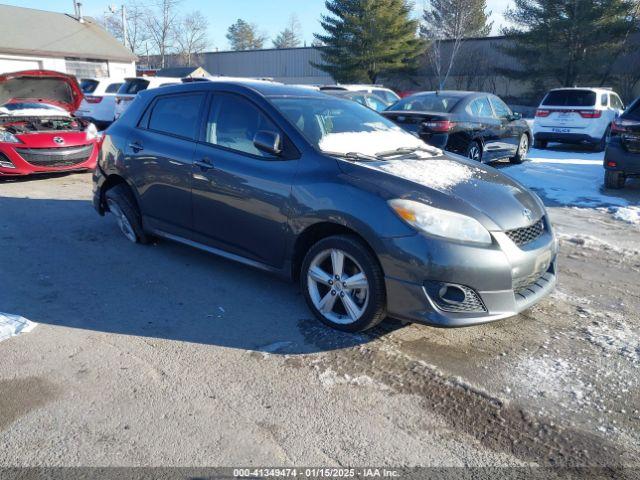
(516, 116)
(268, 142)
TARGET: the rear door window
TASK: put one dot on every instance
(177, 115)
(616, 102)
(570, 98)
(480, 107)
(133, 86)
(233, 123)
(501, 109)
(604, 100)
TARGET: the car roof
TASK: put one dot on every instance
(591, 89)
(263, 88)
(450, 93)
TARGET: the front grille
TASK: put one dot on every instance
(522, 236)
(56, 157)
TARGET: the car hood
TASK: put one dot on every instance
(453, 183)
(41, 86)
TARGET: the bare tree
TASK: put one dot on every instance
(446, 23)
(192, 37)
(162, 25)
(135, 17)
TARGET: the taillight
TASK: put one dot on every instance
(543, 113)
(92, 99)
(590, 113)
(440, 126)
(617, 128)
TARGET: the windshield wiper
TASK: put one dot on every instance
(354, 156)
(407, 151)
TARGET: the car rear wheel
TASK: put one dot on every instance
(540, 144)
(523, 149)
(122, 205)
(474, 151)
(613, 179)
(343, 284)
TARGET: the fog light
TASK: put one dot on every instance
(455, 298)
(5, 162)
(452, 294)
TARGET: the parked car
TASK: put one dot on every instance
(477, 125)
(622, 157)
(576, 116)
(132, 86)
(373, 221)
(370, 100)
(386, 94)
(99, 103)
(38, 131)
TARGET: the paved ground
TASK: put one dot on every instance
(163, 355)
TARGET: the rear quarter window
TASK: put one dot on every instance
(570, 98)
(177, 115)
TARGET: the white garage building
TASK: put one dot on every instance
(37, 39)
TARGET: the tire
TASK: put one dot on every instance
(474, 151)
(541, 144)
(523, 149)
(602, 144)
(321, 285)
(614, 180)
(122, 205)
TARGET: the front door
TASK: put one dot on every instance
(160, 155)
(509, 130)
(241, 194)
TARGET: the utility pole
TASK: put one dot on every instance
(123, 11)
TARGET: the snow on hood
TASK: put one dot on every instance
(41, 86)
(442, 174)
(32, 110)
(380, 139)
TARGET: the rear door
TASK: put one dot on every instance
(510, 131)
(241, 194)
(487, 127)
(161, 150)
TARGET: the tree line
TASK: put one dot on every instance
(551, 42)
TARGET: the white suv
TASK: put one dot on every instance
(132, 86)
(576, 115)
(99, 102)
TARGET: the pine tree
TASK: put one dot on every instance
(364, 39)
(243, 35)
(566, 42)
(290, 36)
(453, 19)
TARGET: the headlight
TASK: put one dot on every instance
(92, 132)
(441, 223)
(7, 137)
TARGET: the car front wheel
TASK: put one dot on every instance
(122, 205)
(343, 284)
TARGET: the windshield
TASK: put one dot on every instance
(341, 126)
(427, 102)
(29, 108)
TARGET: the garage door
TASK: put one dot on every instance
(16, 65)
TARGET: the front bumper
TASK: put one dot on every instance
(505, 278)
(29, 161)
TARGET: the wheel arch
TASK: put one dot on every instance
(316, 232)
(110, 182)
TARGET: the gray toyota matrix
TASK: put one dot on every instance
(371, 220)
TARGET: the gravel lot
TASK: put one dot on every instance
(166, 356)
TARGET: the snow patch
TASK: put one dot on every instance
(439, 175)
(594, 243)
(628, 214)
(329, 378)
(370, 142)
(13, 325)
(615, 338)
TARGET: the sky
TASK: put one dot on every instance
(271, 16)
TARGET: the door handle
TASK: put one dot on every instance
(136, 147)
(205, 163)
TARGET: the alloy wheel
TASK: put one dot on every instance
(123, 221)
(474, 153)
(524, 147)
(338, 286)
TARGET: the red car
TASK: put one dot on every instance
(38, 132)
